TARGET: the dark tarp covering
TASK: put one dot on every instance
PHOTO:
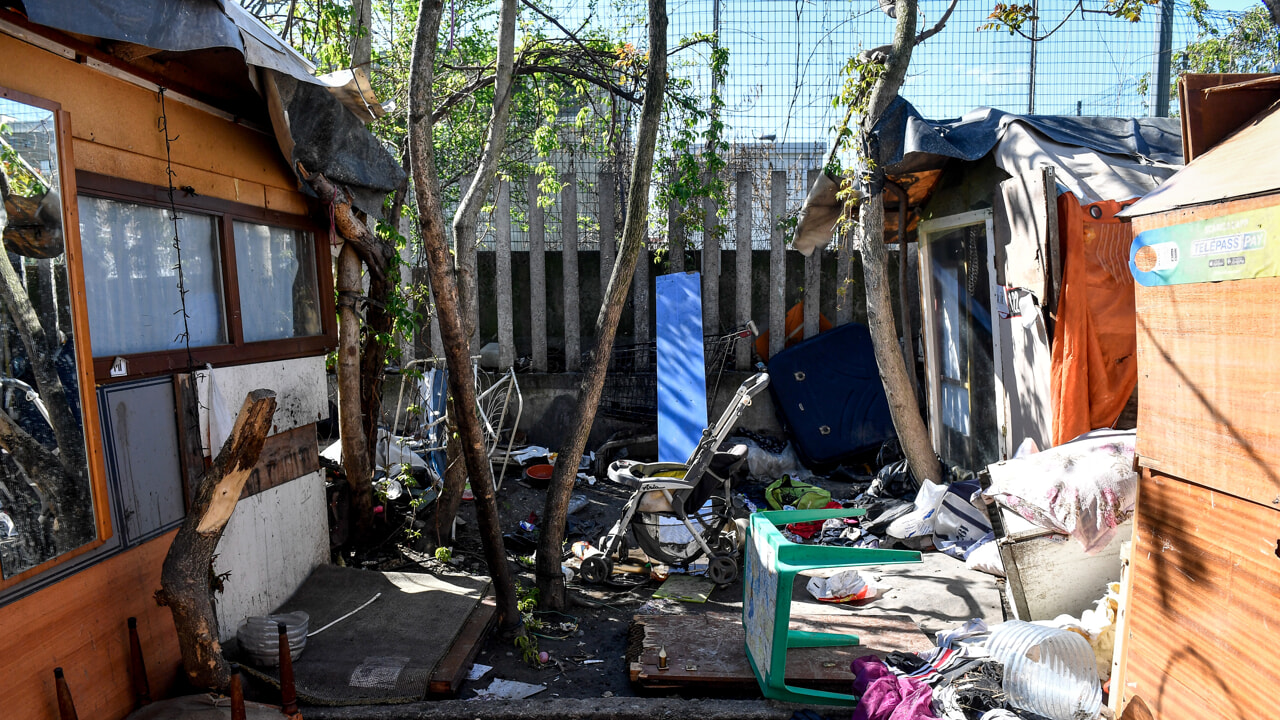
(316, 130)
(911, 143)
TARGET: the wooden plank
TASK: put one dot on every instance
(844, 280)
(676, 238)
(569, 254)
(710, 267)
(742, 259)
(777, 262)
(812, 277)
(1200, 641)
(608, 227)
(1208, 406)
(537, 277)
(285, 456)
(506, 310)
(640, 295)
(452, 669)
(465, 248)
(190, 445)
(706, 650)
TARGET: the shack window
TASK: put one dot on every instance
(52, 484)
(277, 271)
(257, 281)
(131, 275)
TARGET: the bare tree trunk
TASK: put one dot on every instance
(550, 580)
(187, 576)
(356, 458)
(468, 214)
(426, 184)
(912, 433)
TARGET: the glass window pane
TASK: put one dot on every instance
(276, 268)
(46, 497)
(961, 313)
(131, 277)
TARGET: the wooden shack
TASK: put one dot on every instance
(1200, 634)
(126, 137)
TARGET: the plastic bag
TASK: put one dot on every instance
(843, 586)
(919, 522)
(220, 418)
(986, 558)
(961, 520)
(786, 492)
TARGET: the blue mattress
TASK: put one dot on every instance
(828, 392)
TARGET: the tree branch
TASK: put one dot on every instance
(881, 54)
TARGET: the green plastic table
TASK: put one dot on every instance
(772, 563)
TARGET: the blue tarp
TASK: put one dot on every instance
(909, 142)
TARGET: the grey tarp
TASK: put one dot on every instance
(315, 127)
(1096, 158)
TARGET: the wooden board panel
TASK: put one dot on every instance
(1206, 366)
(285, 456)
(452, 669)
(80, 624)
(537, 278)
(708, 650)
(1202, 639)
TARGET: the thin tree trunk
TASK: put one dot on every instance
(551, 591)
(468, 214)
(426, 184)
(187, 575)
(912, 434)
(356, 458)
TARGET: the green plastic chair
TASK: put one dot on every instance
(772, 562)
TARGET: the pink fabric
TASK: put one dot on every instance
(885, 696)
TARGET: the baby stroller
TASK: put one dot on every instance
(675, 513)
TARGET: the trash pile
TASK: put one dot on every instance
(1015, 670)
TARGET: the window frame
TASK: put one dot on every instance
(55, 568)
(236, 351)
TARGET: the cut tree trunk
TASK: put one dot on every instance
(186, 580)
(551, 591)
(426, 183)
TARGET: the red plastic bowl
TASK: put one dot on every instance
(538, 475)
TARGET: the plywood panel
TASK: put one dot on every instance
(114, 113)
(80, 624)
(272, 542)
(1207, 370)
(708, 650)
(113, 162)
(1203, 641)
(302, 392)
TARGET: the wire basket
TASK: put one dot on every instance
(631, 386)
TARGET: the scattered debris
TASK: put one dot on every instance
(509, 690)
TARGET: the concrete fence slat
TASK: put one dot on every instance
(742, 257)
(569, 241)
(777, 262)
(537, 278)
(812, 277)
(502, 246)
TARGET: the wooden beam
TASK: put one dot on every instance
(502, 248)
(537, 277)
(742, 213)
(608, 226)
(812, 277)
(569, 255)
(710, 267)
(777, 262)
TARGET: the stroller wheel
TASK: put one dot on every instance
(622, 552)
(724, 545)
(596, 569)
(722, 570)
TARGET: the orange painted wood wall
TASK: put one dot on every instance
(79, 623)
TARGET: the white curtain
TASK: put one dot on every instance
(131, 277)
(276, 269)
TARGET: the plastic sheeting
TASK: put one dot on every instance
(312, 123)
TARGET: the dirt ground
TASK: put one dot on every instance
(588, 646)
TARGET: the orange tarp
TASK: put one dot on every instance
(795, 330)
(1095, 340)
